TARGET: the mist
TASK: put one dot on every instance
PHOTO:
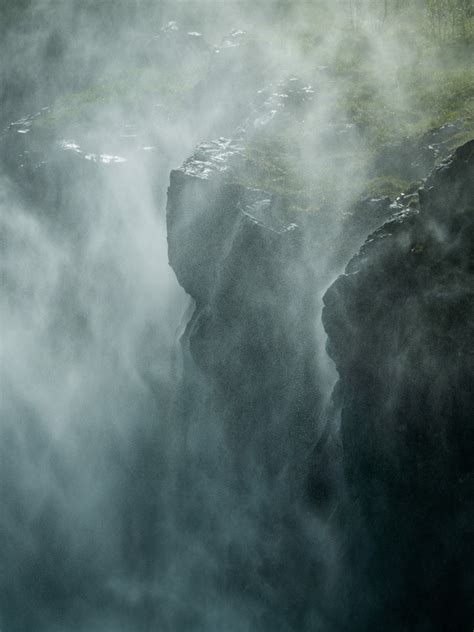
(170, 457)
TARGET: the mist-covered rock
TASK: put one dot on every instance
(241, 253)
(171, 456)
(400, 330)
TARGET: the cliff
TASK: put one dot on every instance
(400, 327)
(238, 255)
(393, 481)
(254, 391)
(247, 253)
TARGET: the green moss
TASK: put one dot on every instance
(385, 111)
(384, 186)
(131, 89)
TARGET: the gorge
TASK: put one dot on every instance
(236, 301)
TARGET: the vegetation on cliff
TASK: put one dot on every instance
(384, 76)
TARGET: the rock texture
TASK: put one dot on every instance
(255, 386)
(238, 256)
(241, 256)
(400, 326)
(388, 486)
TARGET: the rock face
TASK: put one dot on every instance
(239, 258)
(247, 257)
(400, 326)
(242, 258)
(389, 485)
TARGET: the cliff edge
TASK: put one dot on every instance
(400, 323)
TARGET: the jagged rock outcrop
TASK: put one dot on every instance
(247, 256)
(238, 255)
(400, 326)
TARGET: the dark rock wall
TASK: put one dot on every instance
(400, 326)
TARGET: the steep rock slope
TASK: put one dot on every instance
(256, 383)
(236, 252)
(255, 256)
(400, 326)
(240, 253)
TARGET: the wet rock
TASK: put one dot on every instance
(400, 328)
(363, 217)
(234, 251)
(280, 105)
